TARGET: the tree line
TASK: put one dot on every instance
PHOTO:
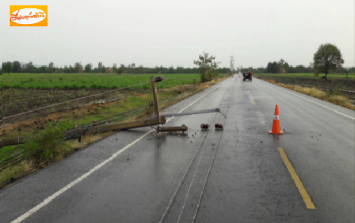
(327, 59)
(17, 67)
(282, 66)
(278, 67)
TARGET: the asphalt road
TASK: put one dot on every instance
(234, 175)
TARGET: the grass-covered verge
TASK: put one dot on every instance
(307, 75)
(326, 96)
(46, 146)
(40, 148)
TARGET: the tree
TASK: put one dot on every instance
(286, 66)
(88, 68)
(78, 67)
(114, 68)
(29, 67)
(101, 68)
(71, 69)
(42, 69)
(207, 66)
(7, 67)
(66, 69)
(327, 58)
(51, 66)
(273, 67)
(121, 69)
(281, 63)
(171, 70)
(300, 69)
(16, 67)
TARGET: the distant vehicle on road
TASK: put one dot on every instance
(248, 76)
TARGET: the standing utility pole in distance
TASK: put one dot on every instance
(232, 64)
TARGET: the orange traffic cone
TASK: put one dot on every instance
(276, 128)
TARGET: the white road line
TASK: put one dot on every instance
(336, 111)
(61, 191)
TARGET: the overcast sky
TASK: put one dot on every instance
(175, 32)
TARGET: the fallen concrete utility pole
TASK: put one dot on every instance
(78, 133)
(12, 141)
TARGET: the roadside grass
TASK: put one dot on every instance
(307, 75)
(43, 148)
(326, 96)
(11, 172)
(310, 91)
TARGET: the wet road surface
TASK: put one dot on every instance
(234, 175)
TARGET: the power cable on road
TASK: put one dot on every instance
(209, 170)
(187, 170)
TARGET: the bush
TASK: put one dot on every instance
(43, 148)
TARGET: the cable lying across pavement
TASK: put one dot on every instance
(185, 174)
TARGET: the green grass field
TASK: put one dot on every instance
(84, 80)
(307, 75)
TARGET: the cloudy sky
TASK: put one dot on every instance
(175, 32)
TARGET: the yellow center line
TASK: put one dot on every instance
(306, 198)
(255, 102)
